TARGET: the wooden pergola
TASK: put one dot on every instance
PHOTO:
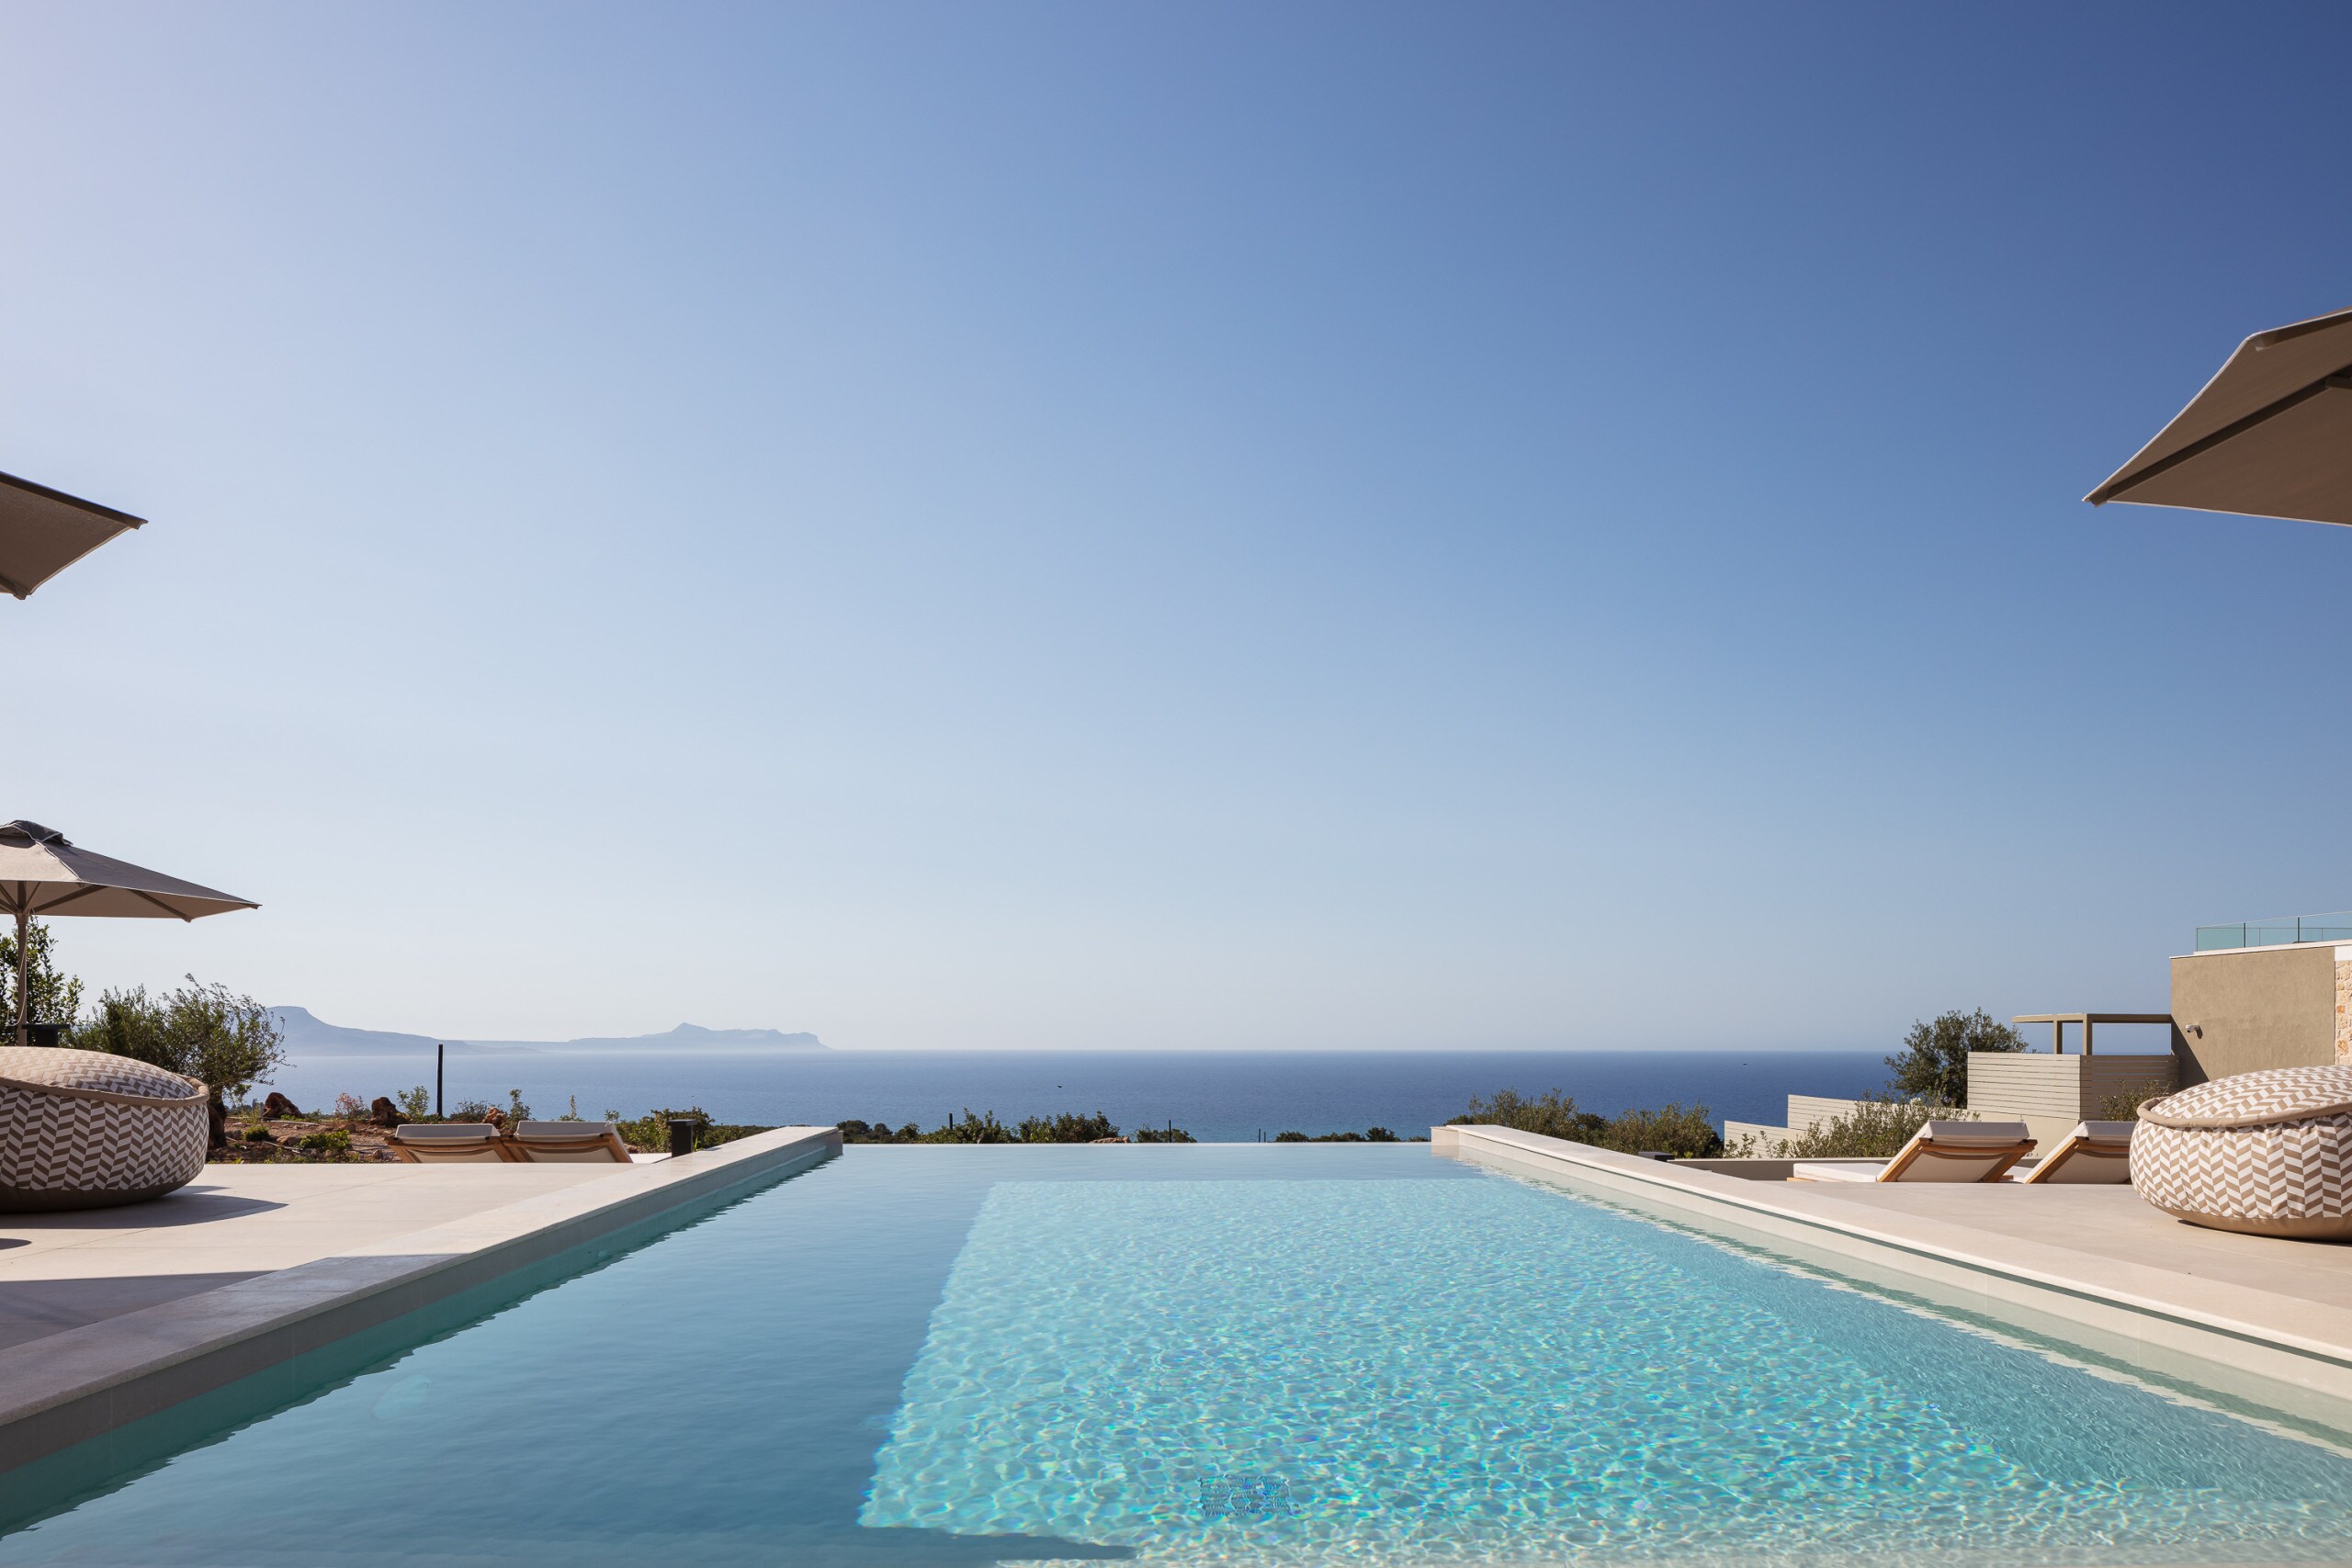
(2059, 1020)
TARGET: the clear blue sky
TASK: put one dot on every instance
(1164, 525)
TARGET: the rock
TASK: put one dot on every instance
(495, 1118)
(384, 1113)
(277, 1105)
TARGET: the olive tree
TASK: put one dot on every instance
(1934, 1064)
(227, 1042)
(54, 997)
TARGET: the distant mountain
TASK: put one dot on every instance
(686, 1037)
(306, 1033)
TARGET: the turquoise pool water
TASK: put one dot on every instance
(1278, 1355)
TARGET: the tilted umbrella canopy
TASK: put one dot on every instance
(2270, 436)
(44, 874)
(43, 531)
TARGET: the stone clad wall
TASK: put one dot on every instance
(2342, 1007)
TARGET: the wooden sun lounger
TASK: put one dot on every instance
(1959, 1151)
(573, 1141)
(2095, 1153)
(1939, 1151)
(451, 1143)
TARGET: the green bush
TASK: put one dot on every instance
(1684, 1132)
(1163, 1136)
(332, 1145)
(416, 1104)
(1875, 1129)
(985, 1129)
(1067, 1128)
(2124, 1105)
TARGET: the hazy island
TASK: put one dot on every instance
(307, 1035)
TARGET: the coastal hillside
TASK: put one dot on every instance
(309, 1034)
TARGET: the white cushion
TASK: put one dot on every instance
(1960, 1133)
(587, 1132)
(446, 1132)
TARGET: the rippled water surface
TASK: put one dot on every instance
(1283, 1355)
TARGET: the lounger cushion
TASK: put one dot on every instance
(1994, 1135)
(585, 1131)
(2266, 1152)
(446, 1132)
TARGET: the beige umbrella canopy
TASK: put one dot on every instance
(2270, 436)
(43, 874)
(43, 531)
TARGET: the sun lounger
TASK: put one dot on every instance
(1939, 1151)
(568, 1141)
(2095, 1153)
(451, 1143)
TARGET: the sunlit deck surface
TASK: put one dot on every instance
(233, 1222)
(2110, 1224)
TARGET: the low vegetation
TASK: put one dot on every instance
(1877, 1128)
(1066, 1127)
(2124, 1104)
(1686, 1132)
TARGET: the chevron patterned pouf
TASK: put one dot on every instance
(2269, 1153)
(84, 1130)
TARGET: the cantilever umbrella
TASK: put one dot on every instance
(43, 531)
(2270, 436)
(43, 874)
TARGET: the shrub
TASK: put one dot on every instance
(855, 1131)
(2124, 1104)
(985, 1129)
(1067, 1128)
(1685, 1131)
(259, 1133)
(350, 1108)
(1934, 1064)
(1171, 1134)
(1290, 1137)
(1874, 1129)
(329, 1146)
(1554, 1115)
(416, 1104)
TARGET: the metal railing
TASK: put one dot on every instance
(2336, 927)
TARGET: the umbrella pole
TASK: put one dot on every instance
(24, 970)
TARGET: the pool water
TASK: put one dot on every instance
(1278, 1355)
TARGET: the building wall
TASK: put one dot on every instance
(2259, 1006)
(2051, 1093)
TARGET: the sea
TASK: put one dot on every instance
(1216, 1096)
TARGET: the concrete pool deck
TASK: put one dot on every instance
(2257, 1319)
(110, 1316)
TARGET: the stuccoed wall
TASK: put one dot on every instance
(2261, 1007)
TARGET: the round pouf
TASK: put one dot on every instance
(84, 1130)
(2268, 1153)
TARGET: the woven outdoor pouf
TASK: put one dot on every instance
(84, 1130)
(2269, 1153)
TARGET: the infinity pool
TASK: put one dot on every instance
(1212, 1355)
